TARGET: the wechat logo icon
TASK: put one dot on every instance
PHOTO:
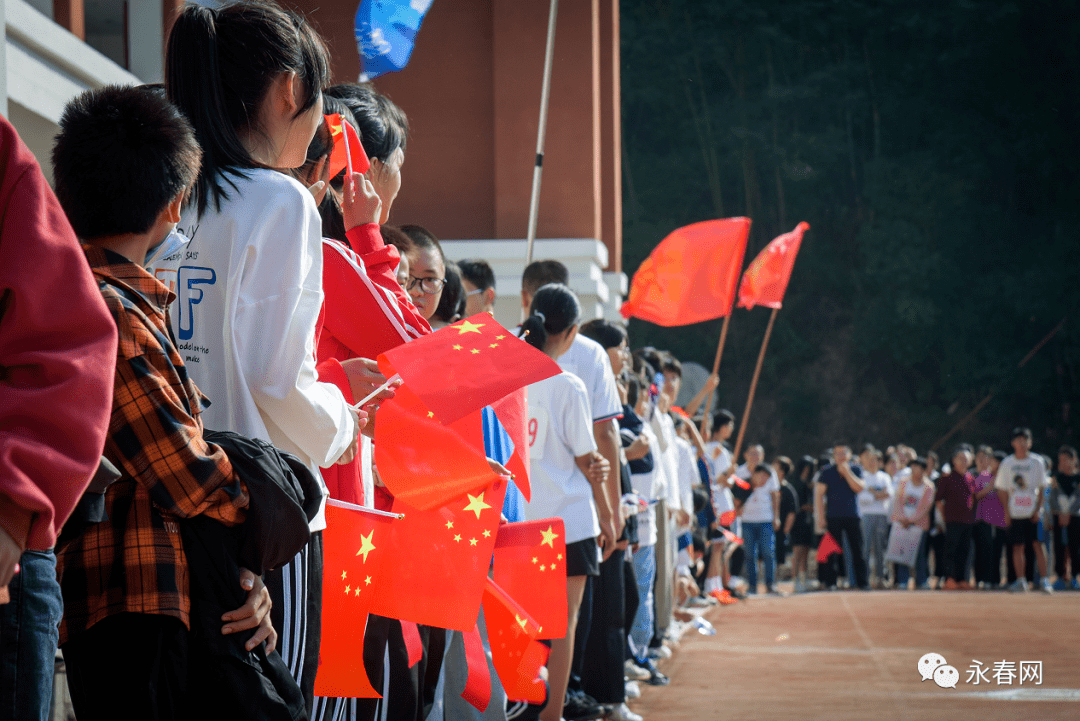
(934, 666)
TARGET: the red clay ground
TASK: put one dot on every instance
(854, 655)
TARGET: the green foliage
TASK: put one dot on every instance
(931, 145)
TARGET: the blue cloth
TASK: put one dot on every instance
(386, 32)
(28, 637)
(759, 539)
(840, 499)
(641, 631)
(499, 447)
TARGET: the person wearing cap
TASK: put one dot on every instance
(1019, 483)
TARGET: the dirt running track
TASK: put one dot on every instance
(854, 655)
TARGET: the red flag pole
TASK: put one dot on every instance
(716, 368)
(753, 386)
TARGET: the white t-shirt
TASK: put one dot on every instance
(1024, 480)
(913, 496)
(648, 485)
(719, 460)
(758, 507)
(560, 430)
(688, 476)
(588, 360)
(249, 292)
(664, 428)
(868, 504)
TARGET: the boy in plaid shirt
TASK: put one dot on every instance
(124, 162)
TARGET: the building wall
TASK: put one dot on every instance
(472, 93)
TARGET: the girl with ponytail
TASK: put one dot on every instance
(249, 76)
(567, 473)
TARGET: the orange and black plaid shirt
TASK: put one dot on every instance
(134, 562)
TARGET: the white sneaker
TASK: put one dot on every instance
(660, 652)
(800, 586)
(623, 713)
(634, 672)
(633, 690)
(1046, 587)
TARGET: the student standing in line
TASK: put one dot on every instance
(1065, 507)
(956, 504)
(835, 491)
(250, 76)
(57, 359)
(567, 472)
(874, 511)
(914, 499)
(988, 531)
(1020, 480)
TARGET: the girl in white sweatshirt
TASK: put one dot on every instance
(249, 284)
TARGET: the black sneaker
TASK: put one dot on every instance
(577, 709)
(656, 678)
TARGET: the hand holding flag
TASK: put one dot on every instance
(465, 366)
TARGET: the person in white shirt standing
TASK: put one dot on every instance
(721, 469)
(249, 77)
(761, 518)
(588, 360)
(567, 473)
(1020, 481)
(874, 508)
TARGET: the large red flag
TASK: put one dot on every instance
(347, 147)
(691, 276)
(465, 366)
(441, 559)
(530, 565)
(423, 462)
(766, 278)
(515, 652)
(355, 551)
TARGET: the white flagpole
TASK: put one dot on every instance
(371, 396)
(534, 201)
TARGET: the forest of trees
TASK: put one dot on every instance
(932, 145)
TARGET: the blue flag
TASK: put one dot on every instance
(385, 34)
(499, 447)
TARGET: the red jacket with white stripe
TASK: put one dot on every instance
(365, 313)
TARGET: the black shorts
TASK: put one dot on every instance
(802, 534)
(583, 558)
(1023, 530)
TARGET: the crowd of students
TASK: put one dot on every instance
(232, 275)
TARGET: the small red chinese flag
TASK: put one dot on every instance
(347, 147)
(423, 462)
(766, 278)
(441, 560)
(530, 565)
(355, 550)
(515, 652)
(828, 547)
(512, 410)
(691, 276)
(465, 366)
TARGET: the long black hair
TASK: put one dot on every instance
(554, 309)
(605, 332)
(218, 69)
